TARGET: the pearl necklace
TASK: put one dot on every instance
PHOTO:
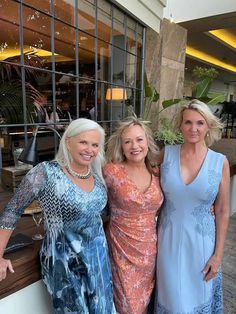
(77, 175)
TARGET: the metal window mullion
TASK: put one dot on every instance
(53, 69)
(124, 69)
(77, 56)
(143, 71)
(22, 62)
(96, 59)
(136, 64)
(112, 54)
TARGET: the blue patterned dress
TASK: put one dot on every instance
(186, 238)
(74, 256)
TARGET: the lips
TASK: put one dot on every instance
(86, 157)
(135, 153)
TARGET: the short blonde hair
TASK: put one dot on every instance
(214, 123)
(114, 145)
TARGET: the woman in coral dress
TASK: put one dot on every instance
(134, 198)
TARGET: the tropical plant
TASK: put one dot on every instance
(203, 82)
(11, 97)
(167, 134)
(11, 101)
(163, 131)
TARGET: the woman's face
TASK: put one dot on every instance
(84, 147)
(193, 127)
(134, 143)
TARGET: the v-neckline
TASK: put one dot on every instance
(75, 185)
(198, 174)
(134, 184)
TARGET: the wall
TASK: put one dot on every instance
(165, 62)
(150, 12)
(32, 299)
(182, 10)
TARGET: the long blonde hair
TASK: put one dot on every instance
(114, 151)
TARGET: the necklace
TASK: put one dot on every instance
(77, 175)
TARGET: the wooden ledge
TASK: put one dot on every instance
(25, 261)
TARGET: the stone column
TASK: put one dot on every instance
(165, 63)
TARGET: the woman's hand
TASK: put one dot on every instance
(5, 264)
(212, 268)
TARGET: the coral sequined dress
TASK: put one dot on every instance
(132, 238)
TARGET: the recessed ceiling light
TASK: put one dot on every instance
(200, 55)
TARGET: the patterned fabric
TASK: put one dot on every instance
(132, 238)
(186, 238)
(74, 255)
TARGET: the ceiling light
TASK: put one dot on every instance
(224, 36)
(200, 55)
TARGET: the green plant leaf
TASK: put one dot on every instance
(202, 88)
(170, 102)
(215, 99)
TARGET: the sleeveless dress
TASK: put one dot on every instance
(74, 254)
(186, 238)
(132, 238)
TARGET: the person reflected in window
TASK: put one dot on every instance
(190, 238)
(134, 199)
(40, 113)
(72, 194)
(62, 114)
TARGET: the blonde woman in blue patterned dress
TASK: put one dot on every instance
(72, 194)
(190, 238)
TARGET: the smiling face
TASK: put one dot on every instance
(134, 144)
(84, 148)
(193, 127)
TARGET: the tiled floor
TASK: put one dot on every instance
(229, 269)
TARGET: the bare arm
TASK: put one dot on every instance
(4, 263)
(222, 220)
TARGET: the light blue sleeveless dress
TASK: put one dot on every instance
(186, 238)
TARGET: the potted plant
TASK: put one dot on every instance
(166, 134)
(163, 129)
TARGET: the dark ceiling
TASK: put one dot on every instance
(199, 38)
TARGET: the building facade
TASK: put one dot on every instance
(60, 60)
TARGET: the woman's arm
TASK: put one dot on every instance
(222, 219)
(27, 191)
(5, 264)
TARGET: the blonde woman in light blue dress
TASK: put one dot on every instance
(190, 238)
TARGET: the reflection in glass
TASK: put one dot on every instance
(39, 5)
(119, 29)
(36, 35)
(9, 38)
(104, 21)
(118, 65)
(64, 43)
(64, 10)
(86, 16)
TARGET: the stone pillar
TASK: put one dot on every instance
(165, 63)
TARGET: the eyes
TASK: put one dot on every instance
(128, 141)
(94, 145)
(199, 123)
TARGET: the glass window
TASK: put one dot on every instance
(64, 60)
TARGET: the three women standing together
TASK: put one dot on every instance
(75, 265)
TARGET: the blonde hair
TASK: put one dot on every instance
(63, 156)
(214, 123)
(114, 145)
